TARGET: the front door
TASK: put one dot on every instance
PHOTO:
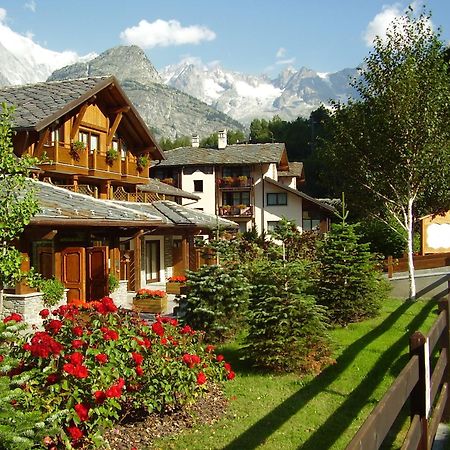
(73, 274)
(177, 258)
(97, 272)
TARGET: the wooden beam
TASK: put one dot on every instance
(43, 138)
(78, 119)
(120, 109)
(113, 129)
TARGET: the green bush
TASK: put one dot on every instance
(349, 282)
(113, 283)
(52, 291)
(92, 367)
(287, 330)
(217, 300)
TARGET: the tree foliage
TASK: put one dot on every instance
(18, 202)
(233, 137)
(390, 149)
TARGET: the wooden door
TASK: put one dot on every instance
(45, 261)
(73, 272)
(177, 258)
(97, 272)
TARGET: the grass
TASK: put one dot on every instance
(324, 412)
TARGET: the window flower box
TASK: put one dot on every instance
(176, 285)
(150, 301)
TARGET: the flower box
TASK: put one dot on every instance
(155, 305)
(150, 301)
(174, 287)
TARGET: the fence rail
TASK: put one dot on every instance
(420, 383)
(433, 261)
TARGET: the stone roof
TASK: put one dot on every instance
(61, 206)
(306, 197)
(295, 170)
(173, 213)
(232, 154)
(36, 102)
(159, 187)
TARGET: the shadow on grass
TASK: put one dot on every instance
(330, 431)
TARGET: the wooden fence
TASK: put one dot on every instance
(426, 388)
(420, 262)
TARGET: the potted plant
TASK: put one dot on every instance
(243, 180)
(228, 181)
(142, 162)
(76, 148)
(225, 210)
(111, 155)
(176, 284)
(150, 300)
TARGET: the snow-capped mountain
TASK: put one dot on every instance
(244, 97)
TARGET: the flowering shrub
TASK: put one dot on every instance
(150, 293)
(177, 279)
(91, 367)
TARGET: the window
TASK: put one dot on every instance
(152, 265)
(198, 185)
(236, 198)
(274, 199)
(235, 171)
(91, 140)
(272, 225)
(310, 221)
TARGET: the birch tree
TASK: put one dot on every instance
(390, 147)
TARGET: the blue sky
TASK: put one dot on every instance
(251, 36)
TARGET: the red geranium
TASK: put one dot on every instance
(102, 358)
(75, 433)
(77, 343)
(78, 371)
(219, 358)
(1, 358)
(115, 391)
(158, 328)
(137, 358)
(110, 335)
(177, 279)
(76, 358)
(43, 345)
(191, 360)
(44, 313)
(230, 375)
(227, 367)
(139, 371)
(201, 378)
(105, 306)
(100, 397)
(82, 410)
(13, 316)
(52, 378)
(77, 331)
(187, 330)
(54, 326)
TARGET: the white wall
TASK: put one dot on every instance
(162, 271)
(208, 197)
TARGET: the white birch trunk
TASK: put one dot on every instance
(409, 226)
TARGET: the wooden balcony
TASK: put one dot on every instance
(236, 211)
(62, 158)
(235, 183)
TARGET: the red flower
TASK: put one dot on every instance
(177, 279)
(77, 343)
(77, 331)
(191, 360)
(219, 358)
(227, 367)
(75, 432)
(1, 358)
(78, 371)
(76, 358)
(43, 345)
(139, 371)
(82, 410)
(115, 391)
(44, 313)
(54, 326)
(101, 358)
(158, 328)
(138, 358)
(13, 316)
(52, 378)
(186, 330)
(163, 341)
(201, 378)
(230, 375)
(110, 335)
(105, 306)
(174, 322)
(210, 348)
(100, 397)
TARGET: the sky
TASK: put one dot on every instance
(250, 36)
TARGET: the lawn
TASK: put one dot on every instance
(323, 412)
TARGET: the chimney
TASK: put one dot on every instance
(195, 141)
(222, 139)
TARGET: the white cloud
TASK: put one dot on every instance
(286, 61)
(164, 33)
(2, 14)
(281, 52)
(381, 23)
(31, 5)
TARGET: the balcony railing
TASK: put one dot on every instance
(62, 153)
(235, 182)
(236, 211)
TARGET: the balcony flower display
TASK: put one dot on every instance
(176, 284)
(150, 300)
(243, 180)
(227, 181)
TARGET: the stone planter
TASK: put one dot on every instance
(174, 287)
(155, 305)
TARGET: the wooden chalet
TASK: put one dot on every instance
(95, 153)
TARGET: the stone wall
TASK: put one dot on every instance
(120, 295)
(28, 305)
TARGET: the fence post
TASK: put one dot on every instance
(390, 266)
(444, 305)
(418, 403)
